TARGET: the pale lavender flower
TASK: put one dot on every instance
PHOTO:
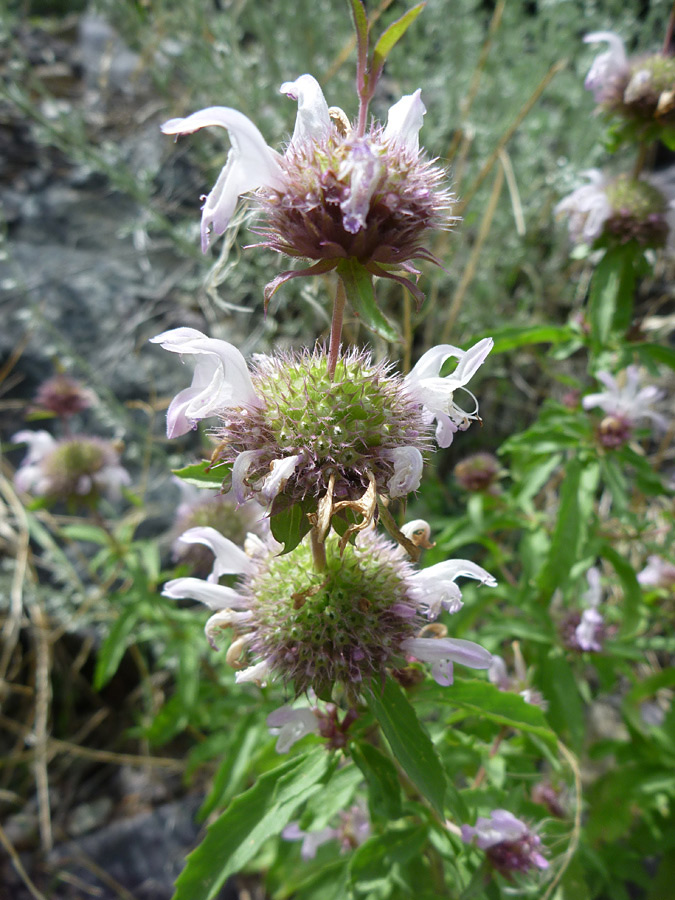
(274, 608)
(507, 841)
(291, 725)
(626, 403)
(221, 379)
(657, 573)
(436, 393)
(498, 675)
(434, 588)
(352, 831)
(609, 68)
(587, 208)
(590, 630)
(408, 464)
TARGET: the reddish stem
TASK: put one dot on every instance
(336, 328)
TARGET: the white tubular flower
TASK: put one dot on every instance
(408, 465)
(587, 208)
(221, 379)
(442, 653)
(282, 469)
(291, 725)
(250, 164)
(625, 399)
(435, 393)
(229, 559)
(313, 120)
(657, 573)
(30, 476)
(608, 67)
(257, 674)
(215, 596)
(434, 588)
(404, 122)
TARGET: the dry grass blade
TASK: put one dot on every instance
(18, 865)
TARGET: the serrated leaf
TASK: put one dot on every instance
(358, 284)
(384, 787)
(290, 526)
(409, 741)
(204, 474)
(252, 818)
(502, 707)
(391, 37)
(114, 646)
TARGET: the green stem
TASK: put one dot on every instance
(336, 327)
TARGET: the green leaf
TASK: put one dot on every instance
(505, 708)
(250, 820)
(375, 858)
(384, 788)
(632, 593)
(565, 707)
(410, 743)
(290, 525)
(114, 646)
(391, 37)
(611, 293)
(568, 532)
(336, 798)
(361, 28)
(234, 766)
(358, 284)
(83, 531)
(658, 353)
(513, 337)
(205, 474)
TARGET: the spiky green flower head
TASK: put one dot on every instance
(74, 469)
(648, 91)
(311, 432)
(638, 212)
(341, 623)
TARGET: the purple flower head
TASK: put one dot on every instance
(626, 403)
(507, 841)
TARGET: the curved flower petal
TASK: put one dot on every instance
(240, 470)
(404, 121)
(443, 652)
(221, 379)
(282, 469)
(313, 120)
(408, 465)
(607, 66)
(230, 559)
(215, 596)
(250, 164)
(258, 673)
(40, 444)
(293, 725)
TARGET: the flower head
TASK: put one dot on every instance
(640, 88)
(625, 403)
(478, 472)
(508, 842)
(345, 624)
(64, 396)
(77, 468)
(333, 194)
(616, 209)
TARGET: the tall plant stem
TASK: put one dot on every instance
(318, 551)
(336, 327)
